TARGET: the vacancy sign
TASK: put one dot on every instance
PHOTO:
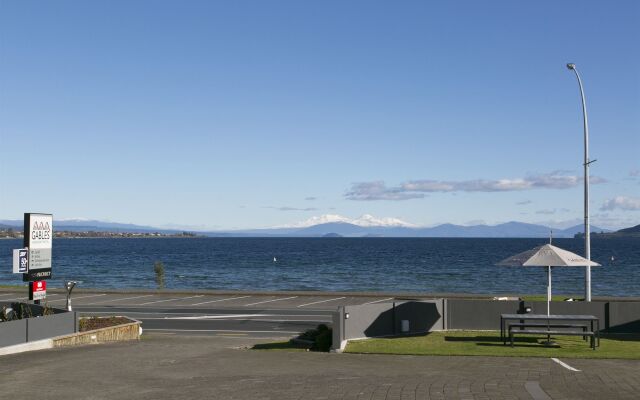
(38, 290)
(38, 229)
(20, 261)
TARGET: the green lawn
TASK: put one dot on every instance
(487, 343)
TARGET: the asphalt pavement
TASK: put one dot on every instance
(257, 315)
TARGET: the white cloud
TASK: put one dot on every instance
(622, 203)
(364, 220)
(546, 212)
(377, 190)
(285, 208)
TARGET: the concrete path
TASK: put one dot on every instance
(171, 367)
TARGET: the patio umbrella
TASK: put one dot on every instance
(547, 256)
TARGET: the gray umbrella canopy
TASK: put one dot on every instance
(547, 256)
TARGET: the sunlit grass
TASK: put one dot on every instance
(488, 343)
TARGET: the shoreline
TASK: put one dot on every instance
(397, 295)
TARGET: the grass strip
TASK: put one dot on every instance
(488, 343)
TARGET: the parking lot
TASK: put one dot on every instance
(204, 301)
(257, 315)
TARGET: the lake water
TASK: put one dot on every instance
(333, 264)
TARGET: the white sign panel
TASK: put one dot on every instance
(40, 241)
(20, 261)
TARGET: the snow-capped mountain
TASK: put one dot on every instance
(365, 220)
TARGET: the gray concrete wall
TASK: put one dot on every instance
(623, 317)
(13, 332)
(385, 319)
(40, 327)
(423, 316)
(368, 320)
(477, 314)
(50, 326)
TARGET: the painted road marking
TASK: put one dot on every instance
(9, 295)
(321, 301)
(81, 297)
(269, 301)
(534, 389)
(215, 301)
(218, 330)
(567, 366)
(126, 298)
(223, 316)
(162, 301)
(378, 301)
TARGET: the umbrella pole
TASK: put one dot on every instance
(549, 342)
(548, 291)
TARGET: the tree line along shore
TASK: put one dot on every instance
(10, 233)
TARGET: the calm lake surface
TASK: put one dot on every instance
(333, 264)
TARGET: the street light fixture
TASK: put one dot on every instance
(587, 230)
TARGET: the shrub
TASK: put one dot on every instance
(321, 337)
(158, 267)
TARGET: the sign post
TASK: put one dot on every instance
(38, 238)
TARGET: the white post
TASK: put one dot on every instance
(587, 230)
(548, 291)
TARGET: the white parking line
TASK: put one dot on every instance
(126, 298)
(217, 330)
(162, 301)
(321, 301)
(215, 301)
(81, 297)
(269, 301)
(567, 366)
(377, 301)
(9, 295)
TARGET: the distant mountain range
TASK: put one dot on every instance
(634, 231)
(365, 226)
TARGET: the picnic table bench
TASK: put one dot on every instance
(589, 326)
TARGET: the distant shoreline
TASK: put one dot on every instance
(110, 235)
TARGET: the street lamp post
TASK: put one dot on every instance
(587, 230)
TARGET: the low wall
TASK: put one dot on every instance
(384, 319)
(38, 327)
(118, 333)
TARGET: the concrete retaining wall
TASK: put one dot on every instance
(386, 319)
(623, 317)
(13, 332)
(477, 314)
(118, 333)
(38, 327)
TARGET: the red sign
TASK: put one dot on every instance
(39, 290)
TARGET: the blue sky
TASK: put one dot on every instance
(254, 114)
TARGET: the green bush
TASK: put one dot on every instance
(321, 337)
(158, 267)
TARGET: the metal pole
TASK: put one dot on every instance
(548, 291)
(587, 230)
